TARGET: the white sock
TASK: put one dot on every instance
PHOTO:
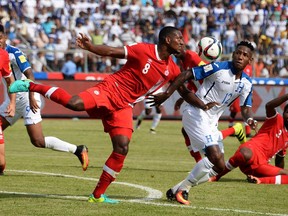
(175, 188)
(156, 120)
(142, 115)
(202, 168)
(59, 145)
(206, 177)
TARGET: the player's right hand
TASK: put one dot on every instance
(156, 100)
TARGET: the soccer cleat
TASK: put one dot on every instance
(20, 86)
(239, 133)
(82, 154)
(253, 179)
(152, 131)
(102, 199)
(182, 197)
(170, 195)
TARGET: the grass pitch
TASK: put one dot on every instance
(46, 182)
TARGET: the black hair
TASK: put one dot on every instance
(247, 44)
(2, 29)
(166, 31)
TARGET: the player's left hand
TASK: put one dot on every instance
(10, 111)
(33, 105)
(83, 41)
(253, 124)
(158, 99)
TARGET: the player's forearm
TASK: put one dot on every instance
(104, 50)
(179, 81)
(276, 102)
(191, 98)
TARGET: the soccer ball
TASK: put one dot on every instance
(209, 48)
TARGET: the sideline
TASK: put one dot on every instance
(153, 195)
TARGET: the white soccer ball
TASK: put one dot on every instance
(209, 48)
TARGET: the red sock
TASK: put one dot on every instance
(281, 179)
(113, 166)
(57, 95)
(227, 132)
(247, 129)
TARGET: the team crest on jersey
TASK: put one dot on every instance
(22, 58)
(166, 72)
(207, 68)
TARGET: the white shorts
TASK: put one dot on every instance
(23, 109)
(201, 129)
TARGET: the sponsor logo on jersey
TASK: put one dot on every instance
(22, 59)
(225, 82)
(207, 68)
(166, 72)
(96, 92)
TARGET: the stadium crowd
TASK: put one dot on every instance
(47, 29)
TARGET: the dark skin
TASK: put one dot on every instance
(240, 58)
(171, 45)
(270, 112)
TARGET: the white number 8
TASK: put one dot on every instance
(146, 68)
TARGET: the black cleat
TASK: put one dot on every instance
(170, 195)
(82, 154)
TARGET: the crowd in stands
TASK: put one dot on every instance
(47, 29)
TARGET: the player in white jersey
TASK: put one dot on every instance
(28, 106)
(223, 82)
(148, 110)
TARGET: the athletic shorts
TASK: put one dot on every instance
(202, 130)
(23, 109)
(101, 107)
(258, 165)
(235, 106)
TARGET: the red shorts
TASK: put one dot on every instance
(258, 165)
(235, 106)
(100, 106)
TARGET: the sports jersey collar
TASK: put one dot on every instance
(157, 54)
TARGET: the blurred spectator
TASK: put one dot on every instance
(283, 73)
(39, 64)
(258, 66)
(65, 36)
(127, 36)
(60, 49)
(50, 54)
(265, 72)
(96, 37)
(69, 68)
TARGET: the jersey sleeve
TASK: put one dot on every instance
(133, 51)
(204, 71)
(5, 64)
(21, 60)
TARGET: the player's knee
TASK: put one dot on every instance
(76, 103)
(247, 153)
(38, 142)
(121, 144)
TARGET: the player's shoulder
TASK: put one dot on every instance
(3, 52)
(221, 64)
(13, 49)
(246, 77)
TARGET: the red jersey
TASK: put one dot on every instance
(143, 73)
(5, 68)
(191, 60)
(248, 70)
(272, 137)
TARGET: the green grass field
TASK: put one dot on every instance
(46, 182)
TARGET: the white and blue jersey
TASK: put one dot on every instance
(219, 85)
(19, 64)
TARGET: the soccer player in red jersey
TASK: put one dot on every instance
(148, 67)
(6, 73)
(271, 140)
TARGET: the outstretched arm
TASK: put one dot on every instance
(161, 97)
(192, 99)
(271, 105)
(85, 43)
(248, 117)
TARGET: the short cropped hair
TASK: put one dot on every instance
(166, 31)
(247, 44)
